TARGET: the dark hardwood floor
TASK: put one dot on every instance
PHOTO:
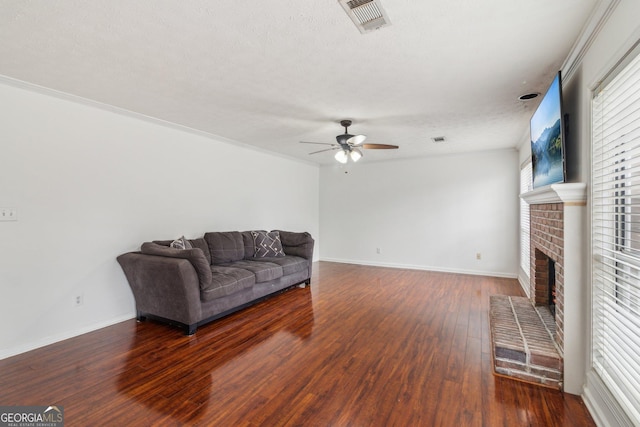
(363, 346)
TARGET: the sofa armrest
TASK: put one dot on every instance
(163, 286)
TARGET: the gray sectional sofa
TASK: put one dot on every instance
(214, 275)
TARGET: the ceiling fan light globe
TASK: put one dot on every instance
(356, 139)
(342, 156)
(355, 154)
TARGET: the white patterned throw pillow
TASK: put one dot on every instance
(267, 244)
(181, 243)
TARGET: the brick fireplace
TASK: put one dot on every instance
(557, 215)
(547, 248)
(529, 343)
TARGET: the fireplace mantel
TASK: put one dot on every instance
(571, 193)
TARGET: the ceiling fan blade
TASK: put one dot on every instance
(319, 143)
(356, 140)
(322, 151)
(379, 146)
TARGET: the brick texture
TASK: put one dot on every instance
(547, 241)
(522, 343)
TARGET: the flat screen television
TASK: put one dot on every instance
(547, 138)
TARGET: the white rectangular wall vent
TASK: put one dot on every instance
(368, 15)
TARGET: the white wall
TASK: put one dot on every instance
(432, 213)
(90, 184)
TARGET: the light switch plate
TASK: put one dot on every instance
(8, 214)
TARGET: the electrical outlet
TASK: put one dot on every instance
(78, 300)
(478, 256)
(8, 214)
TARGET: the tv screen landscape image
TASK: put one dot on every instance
(547, 155)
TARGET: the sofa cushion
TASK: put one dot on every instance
(195, 256)
(226, 281)
(267, 244)
(290, 264)
(225, 246)
(297, 243)
(264, 271)
(249, 246)
(292, 238)
(202, 244)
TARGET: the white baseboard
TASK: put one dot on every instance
(604, 408)
(422, 267)
(63, 336)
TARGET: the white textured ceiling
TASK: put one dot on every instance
(272, 73)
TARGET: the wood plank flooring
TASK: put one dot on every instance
(363, 346)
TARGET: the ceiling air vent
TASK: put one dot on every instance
(368, 15)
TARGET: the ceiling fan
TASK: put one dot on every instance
(349, 146)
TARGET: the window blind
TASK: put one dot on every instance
(616, 234)
(526, 177)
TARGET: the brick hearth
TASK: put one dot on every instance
(522, 343)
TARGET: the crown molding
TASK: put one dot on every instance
(599, 16)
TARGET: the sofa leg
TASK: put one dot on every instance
(190, 329)
(308, 281)
(140, 317)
